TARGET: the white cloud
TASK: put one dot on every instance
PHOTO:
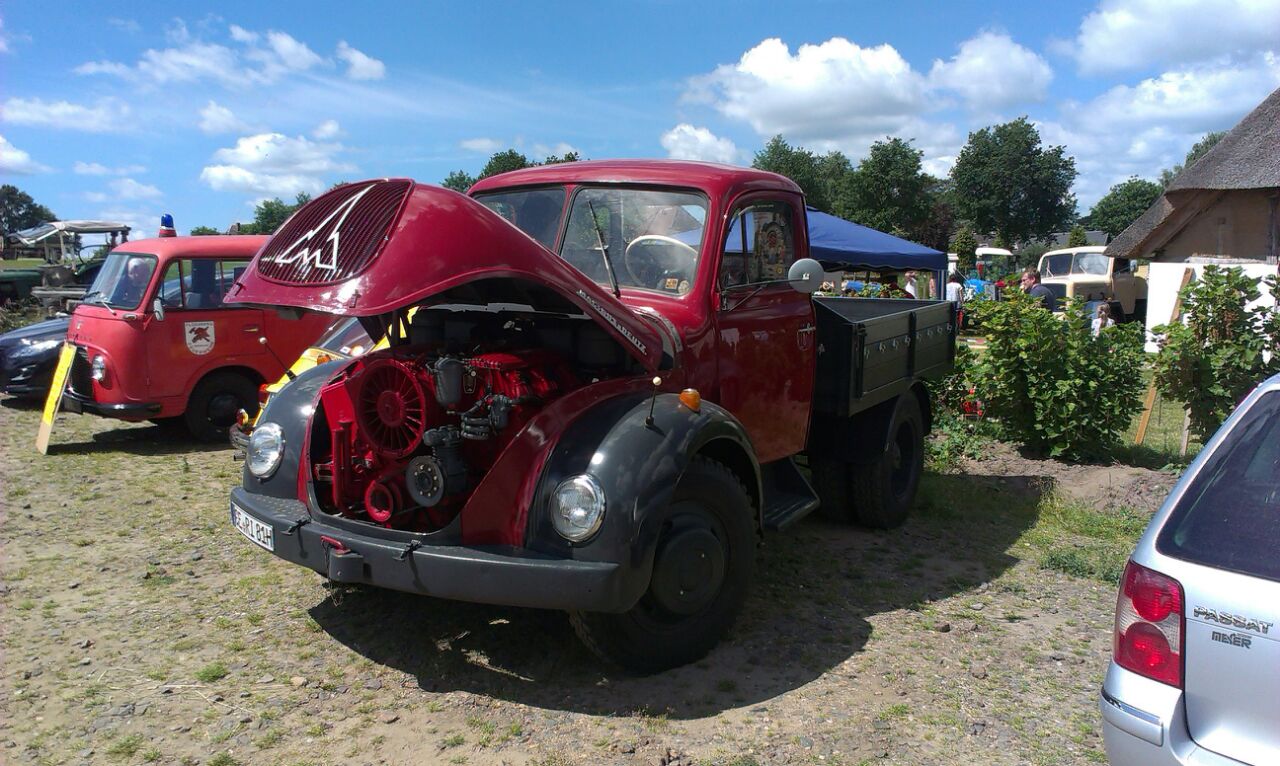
(242, 35)
(1141, 34)
(481, 145)
(125, 25)
(991, 71)
(107, 115)
(4, 39)
(98, 169)
(686, 142)
(14, 160)
(215, 118)
(326, 130)
(124, 189)
(836, 91)
(1144, 128)
(259, 60)
(359, 65)
(274, 165)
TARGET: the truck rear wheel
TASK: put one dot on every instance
(832, 483)
(702, 570)
(214, 402)
(884, 491)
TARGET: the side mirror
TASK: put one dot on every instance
(805, 276)
(157, 308)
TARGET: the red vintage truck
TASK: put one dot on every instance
(617, 378)
(155, 341)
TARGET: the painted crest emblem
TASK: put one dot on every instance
(200, 337)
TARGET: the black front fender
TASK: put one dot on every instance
(638, 464)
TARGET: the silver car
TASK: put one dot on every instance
(1195, 673)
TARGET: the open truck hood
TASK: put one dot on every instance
(372, 247)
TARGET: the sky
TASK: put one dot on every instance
(125, 110)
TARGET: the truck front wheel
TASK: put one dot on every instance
(214, 403)
(702, 569)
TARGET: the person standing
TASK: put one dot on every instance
(1031, 283)
(910, 284)
(1102, 319)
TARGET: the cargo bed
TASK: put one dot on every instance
(872, 349)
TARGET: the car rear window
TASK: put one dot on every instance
(1229, 517)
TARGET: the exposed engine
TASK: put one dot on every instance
(402, 436)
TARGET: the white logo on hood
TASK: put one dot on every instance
(316, 255)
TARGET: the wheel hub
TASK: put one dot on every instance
(688, 570)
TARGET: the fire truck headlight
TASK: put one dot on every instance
(98, 369)
(577, 508)
(266, 449)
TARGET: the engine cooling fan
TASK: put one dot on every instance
(391, 407)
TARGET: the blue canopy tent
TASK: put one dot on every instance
(843, 244)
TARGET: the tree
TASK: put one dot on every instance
(203, 231)
(1077, 237)
(19, 211)
(566, 157)
(963, 244)
(271, 213)
(888, 191)
(459, 181)
(1006, 182)
(1123, 204)
(1200, 149)
(503, 162)
(800, 165)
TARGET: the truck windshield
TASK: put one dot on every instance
(1064, 264)
(122, 281)
(650, 238)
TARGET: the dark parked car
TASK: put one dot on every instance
(28, 356)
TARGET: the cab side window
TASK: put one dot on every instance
(199, 283)
(760, 245)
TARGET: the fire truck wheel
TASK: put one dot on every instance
(702, 569)
(214, 402)
(885, 490)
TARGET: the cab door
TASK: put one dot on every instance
(199, 332)
(765, 328)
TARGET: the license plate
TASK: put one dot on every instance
(259, 533)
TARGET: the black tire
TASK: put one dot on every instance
(213, 404)
(884, 491)
(707, 545)
(831, 482)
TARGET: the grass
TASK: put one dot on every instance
(223, 759)
(214, 671)
(1085, 542)
(125, 747)
(21, 263)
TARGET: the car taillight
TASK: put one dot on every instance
(1149, 625)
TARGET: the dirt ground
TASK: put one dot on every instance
(138, 626)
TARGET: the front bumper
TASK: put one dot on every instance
(73, 401)
(487, 574)
(1144, 723)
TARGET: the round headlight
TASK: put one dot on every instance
(98, 370)
(577, 508)
(266, 448)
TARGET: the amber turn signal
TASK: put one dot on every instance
(323, 358)
(691, 399)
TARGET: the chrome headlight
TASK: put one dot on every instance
(266, 449)
(577, 508)
(98, 370)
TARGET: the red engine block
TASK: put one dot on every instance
(379, 409)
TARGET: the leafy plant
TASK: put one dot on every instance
(1054, 386)
(1212, 359)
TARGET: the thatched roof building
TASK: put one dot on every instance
(1223, 206)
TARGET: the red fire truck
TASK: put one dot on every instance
(154, 339)
(617, 377)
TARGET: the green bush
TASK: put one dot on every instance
(1214, 358)
(1052, 385)
(19, 313)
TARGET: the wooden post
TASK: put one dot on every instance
(1149, 403)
